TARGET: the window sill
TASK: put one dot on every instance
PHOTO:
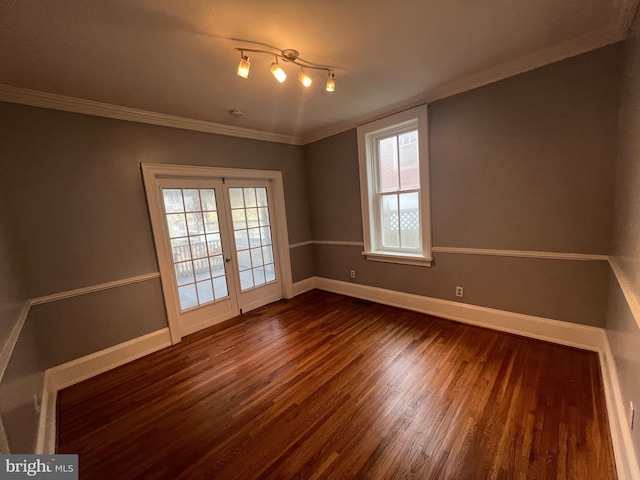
(401, 258)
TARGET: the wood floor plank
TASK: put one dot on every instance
(325, 387)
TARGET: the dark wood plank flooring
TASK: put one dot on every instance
(325, 386)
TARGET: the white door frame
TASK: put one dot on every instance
(153, 172)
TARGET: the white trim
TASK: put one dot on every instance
(54, 101)
(625, 286)
(7, 350)
(625, 457)
(521, 253)
(300, 244)
(304, 286)
(83, 368)
(46, 439)
(371, 191)
(94, 288)
(75, 371)
(556, 331)
(570, 48)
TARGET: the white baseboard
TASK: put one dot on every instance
(76, 371)
(556, 331)
(625, 456)
(304, 286)
(564, 333)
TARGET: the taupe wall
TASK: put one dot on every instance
(521, 164)
(77, 212)
(623, 328)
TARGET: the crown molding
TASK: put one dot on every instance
(570, 48)
(54, 101)
(575, 46)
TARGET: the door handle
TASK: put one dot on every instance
(227, 259)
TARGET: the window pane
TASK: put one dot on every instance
(236, 198)
(202, 269)
(195, 224)
(258, 276)
(389, 216)
(211, 224)
(191, 199)
(410, 220)
(270, 272)
(261, 197)
(208, 196)
(246, 280)
(256, 257)
(220, 287)
(388, 157)
(217, 266)
(250, 197)
(265, 235)
(205, 292)
(267, 253)
(177, 225)
(254, 237)
(180, 249)
(409, 164)
(242, 241)
(263, 213)
(184, 273)
(252, 217)
(173, 200)
(244, 260)
(213, 244)
(198, 247)
(188, 296)
(239, 219)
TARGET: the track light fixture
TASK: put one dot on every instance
(291, 56)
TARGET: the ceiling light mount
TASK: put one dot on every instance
(287, 55)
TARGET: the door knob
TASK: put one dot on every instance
(227, 259)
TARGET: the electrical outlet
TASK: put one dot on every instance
(459, 292)
(353, 274)
(632, 415)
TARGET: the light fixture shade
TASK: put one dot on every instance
(278, 72)
(243, 67)
(304, 79)
(331, 82)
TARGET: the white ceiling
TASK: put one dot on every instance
(178, 58)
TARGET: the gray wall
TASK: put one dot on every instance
(77, 214)
(521, 164)
(623, 328)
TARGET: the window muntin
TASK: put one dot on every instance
(394, 182)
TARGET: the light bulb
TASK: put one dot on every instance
(304, 79)
(243, 68)
(278, 72)
(331, 82)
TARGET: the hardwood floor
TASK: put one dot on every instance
(325, 386)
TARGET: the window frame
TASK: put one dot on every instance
(368, 137)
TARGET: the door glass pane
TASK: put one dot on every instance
(252, 234)
(196, 247)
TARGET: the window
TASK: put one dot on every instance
(394, 181)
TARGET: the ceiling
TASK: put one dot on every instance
(178, 58)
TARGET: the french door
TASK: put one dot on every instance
(217, 246)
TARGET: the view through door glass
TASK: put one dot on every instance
(194, 234)
(252, 234)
